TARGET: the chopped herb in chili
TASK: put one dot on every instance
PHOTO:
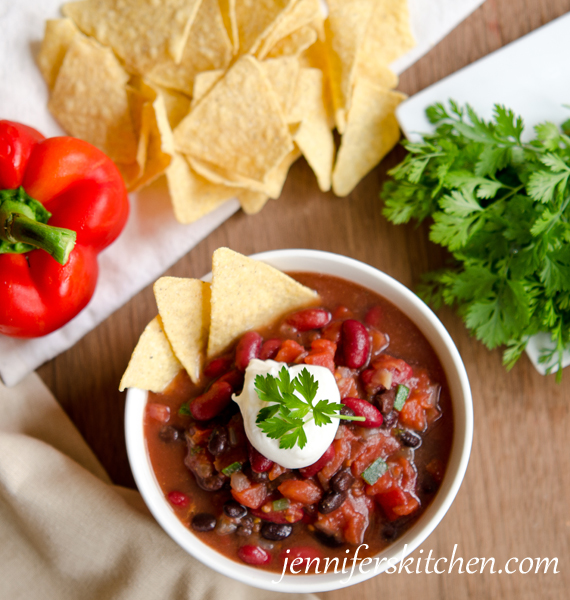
(402, 393)
(281, 504)
(184, 410)
(236, 466)
(373, 473)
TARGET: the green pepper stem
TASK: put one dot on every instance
(56, 241)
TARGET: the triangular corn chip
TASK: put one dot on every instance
(153, 364)
(248, 294)
(184, 307)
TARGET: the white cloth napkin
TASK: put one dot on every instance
(152, 240)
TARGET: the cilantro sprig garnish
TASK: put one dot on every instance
(501, 206)
(285, 418)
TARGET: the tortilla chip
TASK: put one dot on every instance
(248, 294)
(253, 18)
(239, 125)
(90, 101)
(282, 73)
(192, 195)
(59, 34)
(271, 186)
(345, 28)
(300, 14)
(184, 307)
(208, 47)
(153, 365)
(313, 136)
(143, 33)
(371, 132)
(294, 44)
(252, 202)
(203, 83)
(177, 105)
(228, 10)
(389, 35)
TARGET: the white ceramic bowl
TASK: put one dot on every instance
(434, 331)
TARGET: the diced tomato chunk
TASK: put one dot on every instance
(289, 351)
(378, 446)
(348, 522)
(401, 370)
(292, 514)
(321, 359)
(413, 415)
(275, 471)
(305, 492)
(397, 503)
(252, 497)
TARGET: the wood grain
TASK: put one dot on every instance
(514, 500)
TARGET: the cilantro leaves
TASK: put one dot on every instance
(285, 417)
(501, 206)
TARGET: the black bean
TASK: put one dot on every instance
(342, 481)
(429, 485)
(331, 501)
(247, 521)
(410, 439)
(234, 509)
(218, 442)
(390, 420)
(212, 483)
(171, 434)
(389, 532)
(347, 412)
(327, 540)
(385, 402)
(276, 531)
(203, 522)
(244, 530)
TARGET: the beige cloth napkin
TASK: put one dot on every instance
(67, 533)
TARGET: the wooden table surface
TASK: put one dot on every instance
(514, 501)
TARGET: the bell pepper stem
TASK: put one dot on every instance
(56, 241)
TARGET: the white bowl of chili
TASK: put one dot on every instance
(417, 528)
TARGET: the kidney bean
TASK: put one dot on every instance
(331, 501)
(254, 555)
(247, 349)
(158, 412)
(258, 462)
(310, 318)
(342, 481)
(270, 349)
(362, 408)
(234, 378)
(211, 403)
(317, 466)
(355, 344)
(305, 553)
(218, 442)
(276, 531)
(178, 499)
(374, 316)
(218, 367)
(203, 522)
(234, 509)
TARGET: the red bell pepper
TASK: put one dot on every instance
(62, 201)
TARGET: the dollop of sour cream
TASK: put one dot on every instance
(318, 438)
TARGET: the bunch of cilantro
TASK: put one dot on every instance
(501, 208)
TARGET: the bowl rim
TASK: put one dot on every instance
(438, 337)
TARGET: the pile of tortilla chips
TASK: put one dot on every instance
(223, 96)
(197, 320)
